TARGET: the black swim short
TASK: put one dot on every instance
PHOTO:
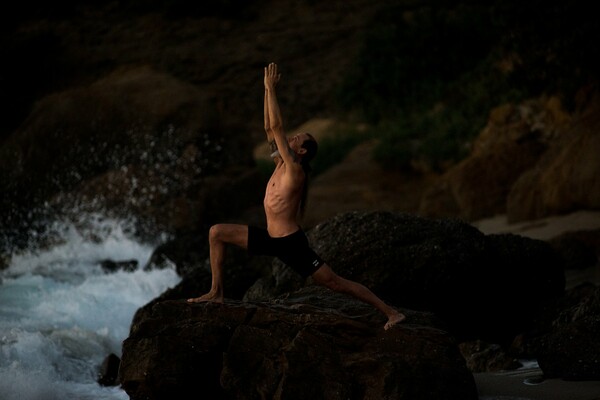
(293, 249)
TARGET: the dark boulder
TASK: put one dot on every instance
(109, 371)
(111, 266)
(310, 344)
(488, 287)
(571, 349)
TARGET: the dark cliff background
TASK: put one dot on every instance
(99, 96)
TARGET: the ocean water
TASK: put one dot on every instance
(61, 314)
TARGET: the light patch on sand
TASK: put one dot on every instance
(542, 229)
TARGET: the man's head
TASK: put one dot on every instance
(304, 145)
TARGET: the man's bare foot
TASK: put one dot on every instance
(393, 320)
(211, 297)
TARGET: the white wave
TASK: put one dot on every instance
(60, 315)
(69, 246)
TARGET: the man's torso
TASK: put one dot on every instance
(282, 199)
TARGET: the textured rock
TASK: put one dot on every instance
(488, 286)
(511, 143)
(109, 371)
(564, 180)
(532, 160)
(312, 344)
(571, 350)
(486, 357)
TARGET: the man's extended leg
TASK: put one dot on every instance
(218, 236)
(326, 277)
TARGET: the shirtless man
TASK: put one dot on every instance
(284, 198)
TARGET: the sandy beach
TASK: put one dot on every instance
(528, 384)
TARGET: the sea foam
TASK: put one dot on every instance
(61, 314)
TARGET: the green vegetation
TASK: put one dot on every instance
(429, 75)
(333, 148)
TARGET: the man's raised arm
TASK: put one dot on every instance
(273, 113)
(270, 138)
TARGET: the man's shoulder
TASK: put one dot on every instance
(293, 168)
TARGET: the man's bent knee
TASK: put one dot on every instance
(215, 232)
(229, 233)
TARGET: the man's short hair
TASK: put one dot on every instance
(311, 148)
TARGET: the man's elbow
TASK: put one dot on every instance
(276, 127)
(272, 130)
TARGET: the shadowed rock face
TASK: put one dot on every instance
(487, 286)
(313, 344)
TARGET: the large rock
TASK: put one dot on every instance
(486, 286)
(566, 178)
(571, 350)
(512, 142)
(313, 344)
(532, 160)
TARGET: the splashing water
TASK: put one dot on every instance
(61, 314)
